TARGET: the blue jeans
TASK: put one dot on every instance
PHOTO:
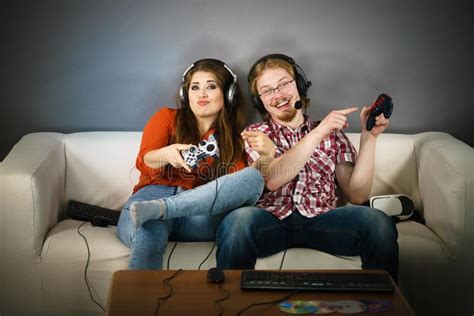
(189, 216)
(251, 232)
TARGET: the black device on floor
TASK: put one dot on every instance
(316, 281)
(98, 216)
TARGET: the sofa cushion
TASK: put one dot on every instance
(64, 259)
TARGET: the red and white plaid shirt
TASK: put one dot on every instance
(313, 191)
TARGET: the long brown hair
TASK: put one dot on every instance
(230, 121)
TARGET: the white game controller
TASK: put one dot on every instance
(195, 154)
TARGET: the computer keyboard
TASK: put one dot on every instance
(316, 281)
(91, 213)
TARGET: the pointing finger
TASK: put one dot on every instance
(348, 110)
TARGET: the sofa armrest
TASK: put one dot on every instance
(445, 174)
(31, 194)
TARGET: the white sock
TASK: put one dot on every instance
(140, 212)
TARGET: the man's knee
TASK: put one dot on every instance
(384, 230)
(236, 238)
(237, 223)
(377, 223)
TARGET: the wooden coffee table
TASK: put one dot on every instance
(137, 292)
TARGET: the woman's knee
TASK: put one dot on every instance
(125, 228)
(254, 181)
(247, 184)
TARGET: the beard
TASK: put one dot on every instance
(288, 115)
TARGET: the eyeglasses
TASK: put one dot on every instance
(267, 94)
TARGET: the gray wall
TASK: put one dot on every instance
(71, 66)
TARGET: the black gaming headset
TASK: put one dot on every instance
(230, 95)
(302, 82)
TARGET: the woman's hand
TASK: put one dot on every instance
(167, 155)
(260, 142)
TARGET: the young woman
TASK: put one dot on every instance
(179, 199)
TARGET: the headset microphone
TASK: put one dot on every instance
(298, 105)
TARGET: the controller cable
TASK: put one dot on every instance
(210, 212)
(169, 257)
(217, 302)
(86, 279)
(166, 281)
(208, 255)
(283, 259)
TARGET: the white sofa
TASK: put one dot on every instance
(43, 257)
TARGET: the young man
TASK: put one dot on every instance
(307, 161)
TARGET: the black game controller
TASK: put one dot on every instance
(383, 104)
(195, 154)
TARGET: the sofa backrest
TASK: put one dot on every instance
(100, 166)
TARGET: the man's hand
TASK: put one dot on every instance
(381, 123)
(334, 121)
(260, 142)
